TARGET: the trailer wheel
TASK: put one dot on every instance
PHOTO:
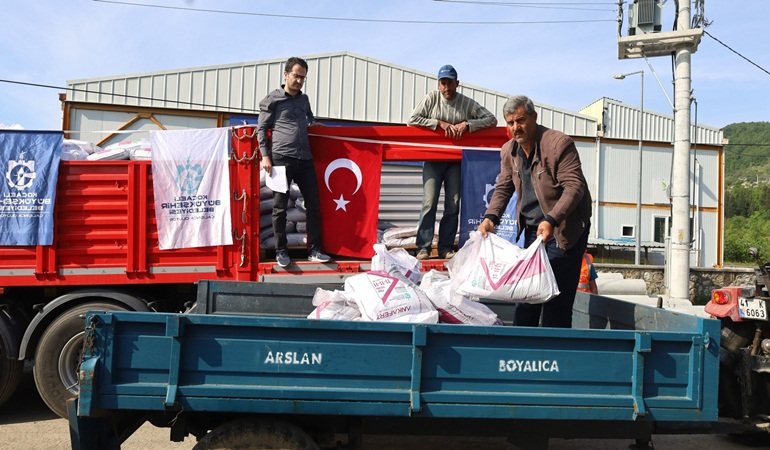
(58, 354)
(253, 434)
(10, 374)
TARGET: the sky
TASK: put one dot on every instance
(561, 54)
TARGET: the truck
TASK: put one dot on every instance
(744, 356)
(105, 253)
(247, 366)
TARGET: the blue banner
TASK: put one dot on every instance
(479, 174)
(30, 169)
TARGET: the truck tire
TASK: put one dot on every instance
(254, 434)
(10, 374)
(58, 354)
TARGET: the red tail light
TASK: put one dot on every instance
(720, 297)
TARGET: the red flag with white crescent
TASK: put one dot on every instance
(349, 185)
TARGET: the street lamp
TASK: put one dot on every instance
(640, 124)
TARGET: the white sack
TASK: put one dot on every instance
(334, 305)
(503, 271)
(453, 307)
(390, 297)
(397, 258)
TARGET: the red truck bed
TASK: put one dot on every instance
(105, 229)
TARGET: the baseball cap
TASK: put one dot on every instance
(447, 71)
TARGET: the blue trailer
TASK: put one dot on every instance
(246, 363)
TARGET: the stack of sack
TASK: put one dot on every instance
(76, 150)
(407, 236)
(484, 268)
(135, 150)
(296, 217)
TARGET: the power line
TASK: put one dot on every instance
(346, 19)
(539, 5)
(728, 47)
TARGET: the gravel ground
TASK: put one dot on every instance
(26, 423)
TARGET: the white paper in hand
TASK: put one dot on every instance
(277, 179)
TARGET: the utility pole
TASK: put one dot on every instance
(682, 42)
(680, 184)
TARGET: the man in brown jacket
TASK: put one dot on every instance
(543, 166)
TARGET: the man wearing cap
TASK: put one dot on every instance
(456, 114)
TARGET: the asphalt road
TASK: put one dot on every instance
(27, 424)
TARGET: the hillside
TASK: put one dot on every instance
(747, 156)
(747, 190)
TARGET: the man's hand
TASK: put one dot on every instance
(453, 131)
(486, 226)
(267, 164)
(462, 128)
(546, 230)
(447, 127)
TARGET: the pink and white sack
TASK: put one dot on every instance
(453, 307)
(390, 297)
(385, 260)
(334, 305)
(500, 270)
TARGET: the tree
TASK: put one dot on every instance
(741, 233)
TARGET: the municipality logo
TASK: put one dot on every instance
(489, 189)
(21, 173)
(189, 177)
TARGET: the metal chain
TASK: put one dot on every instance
(242, 239)
(238, 198)
(88, 339)
(245, 135)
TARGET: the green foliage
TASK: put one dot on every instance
(747, 191)
(741, 233)
(747, 156)
(745, 200)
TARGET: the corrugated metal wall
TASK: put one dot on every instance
(401, 195)
(621, 121)
(620, 169)
(341, 86)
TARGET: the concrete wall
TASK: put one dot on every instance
(702, 280)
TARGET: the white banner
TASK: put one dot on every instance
(191, 182)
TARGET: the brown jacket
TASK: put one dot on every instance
(558, 180)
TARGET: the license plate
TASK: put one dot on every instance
(752, 308)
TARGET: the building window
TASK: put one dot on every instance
(627, 231)
(662, 229)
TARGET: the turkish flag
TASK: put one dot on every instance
(349, 185)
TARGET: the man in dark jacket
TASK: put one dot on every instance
(543, 166)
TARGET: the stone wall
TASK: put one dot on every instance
(702, 280)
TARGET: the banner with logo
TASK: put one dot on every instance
(349, 186)
(30, 168)
(191, 182)
(480, 169)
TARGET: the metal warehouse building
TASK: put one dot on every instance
(348, 88)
